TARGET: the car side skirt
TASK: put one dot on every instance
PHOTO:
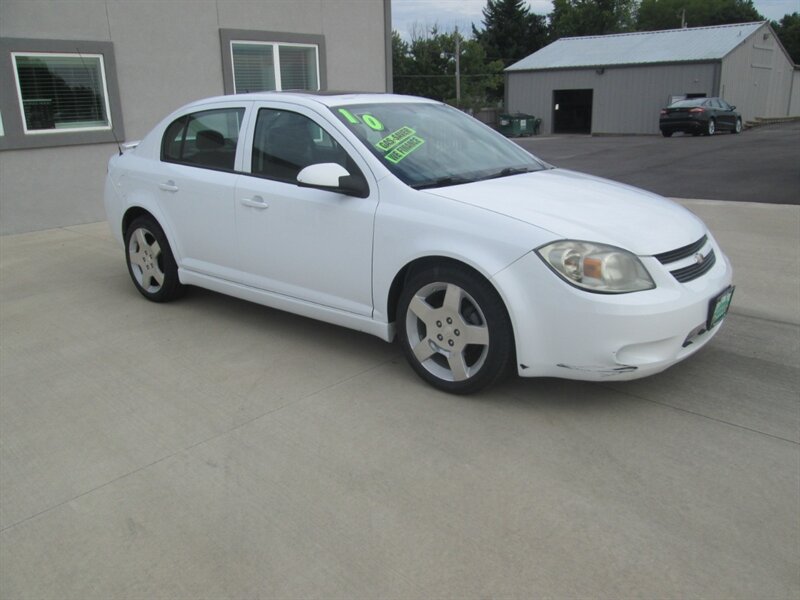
(385, 331)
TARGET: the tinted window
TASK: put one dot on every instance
(689, 103)
(286, 142)
(204, 139)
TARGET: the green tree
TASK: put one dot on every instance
(655, 15)
(427, 67)
(571, 18)
(510, 31)
(788, 30)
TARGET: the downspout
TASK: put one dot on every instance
(387, 34)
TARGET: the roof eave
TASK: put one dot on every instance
(616, 65)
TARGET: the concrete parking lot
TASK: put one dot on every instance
(212, 448)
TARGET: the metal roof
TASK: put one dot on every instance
(673, 45)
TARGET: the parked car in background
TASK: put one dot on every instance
(699, 115)
(401, 216)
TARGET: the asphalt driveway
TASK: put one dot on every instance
(759, 165)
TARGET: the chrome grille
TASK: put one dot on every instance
(694, 271)
(681, 253)
(702, 265)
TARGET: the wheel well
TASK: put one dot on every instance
(416, 266)
(133, 213)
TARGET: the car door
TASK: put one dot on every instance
(199, 154)
(310, 244)
(726, 114)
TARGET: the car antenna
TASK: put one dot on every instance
(88, 73)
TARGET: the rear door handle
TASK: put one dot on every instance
(169, 186)
(255, 202)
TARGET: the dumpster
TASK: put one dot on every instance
(517, 125)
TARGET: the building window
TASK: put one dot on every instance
(264, 66)
(258, 61)
(61, 91)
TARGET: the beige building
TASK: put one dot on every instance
(618, 83)
(78, 76)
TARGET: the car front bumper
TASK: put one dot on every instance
(562, 331)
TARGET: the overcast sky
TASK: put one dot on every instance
(462, 13)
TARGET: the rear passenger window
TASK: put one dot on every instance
(205, 139)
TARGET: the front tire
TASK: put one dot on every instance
(738, 127)
(666, 133)
(151, 265)
(454, 330)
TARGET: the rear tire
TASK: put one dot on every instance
(666, 133)
(454, 329)
(711, 127)
(151, 265)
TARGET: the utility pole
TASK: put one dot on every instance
(458, 68)
(683, 18)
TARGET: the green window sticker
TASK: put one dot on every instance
(348, 115)
(394, 138)
(372, 122)
(405, 148)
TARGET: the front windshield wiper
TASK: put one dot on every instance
(441, 182)
(507, 172)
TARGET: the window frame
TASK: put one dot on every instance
(276, 38)
(56, 130)
(186, 120)
(16, 134)
(324, 122)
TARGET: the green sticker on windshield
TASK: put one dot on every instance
(405, 148)
(348, 115)
(372, 122)
(394, 138)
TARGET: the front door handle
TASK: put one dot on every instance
(169, 186)
(255, 202)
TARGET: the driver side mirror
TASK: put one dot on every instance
(333, 177)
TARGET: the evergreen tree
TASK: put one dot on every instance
(572, 18)
(510, 31)
(788, 31)
(655, 15)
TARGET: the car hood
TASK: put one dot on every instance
(573, 205)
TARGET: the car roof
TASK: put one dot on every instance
(699, 100)
(325, 97)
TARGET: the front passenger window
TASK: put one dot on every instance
(205, 139)
(287, 142)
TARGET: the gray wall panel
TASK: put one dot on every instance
(626, 99)
(167, 54)
(757, 77)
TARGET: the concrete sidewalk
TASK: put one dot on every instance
(763, 243)
(212, 448)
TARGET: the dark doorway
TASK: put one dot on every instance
(572, 111)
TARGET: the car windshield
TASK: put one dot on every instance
(434, 145)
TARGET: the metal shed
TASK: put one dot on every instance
(616, 84)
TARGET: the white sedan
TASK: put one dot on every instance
(400, 216)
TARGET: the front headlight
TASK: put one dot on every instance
(597, 267)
